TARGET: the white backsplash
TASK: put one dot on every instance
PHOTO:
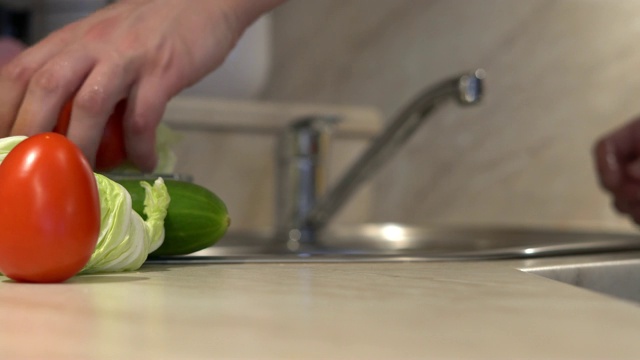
(560, 74)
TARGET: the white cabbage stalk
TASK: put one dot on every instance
(125, 238)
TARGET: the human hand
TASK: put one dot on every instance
(145, 51)
(617, 157)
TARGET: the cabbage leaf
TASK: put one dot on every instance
(125, 238)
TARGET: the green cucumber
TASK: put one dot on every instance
(196, 219)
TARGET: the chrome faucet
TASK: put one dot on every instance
(304, 207)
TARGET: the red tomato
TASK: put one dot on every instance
(111, 151)
(49, 210)
(62, 126)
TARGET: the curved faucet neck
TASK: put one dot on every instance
(304, 162)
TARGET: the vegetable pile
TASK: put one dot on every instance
(58, 218)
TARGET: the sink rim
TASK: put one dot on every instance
(385, 242)
(614, 275)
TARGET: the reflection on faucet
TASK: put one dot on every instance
(301, 213)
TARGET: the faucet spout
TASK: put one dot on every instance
(303, 206)
(466, 89)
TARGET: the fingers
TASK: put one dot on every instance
(144, 112)
(94, 103)
(14, 80)
(608, 164)
(617, 156)
(626, 199)
(157, 38)
(16, 76)
(50, 87)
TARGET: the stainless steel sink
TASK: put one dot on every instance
(616, 275)
(395, 242)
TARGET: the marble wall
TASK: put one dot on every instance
(560, 74)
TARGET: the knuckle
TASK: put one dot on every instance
(100, 30)
(142, 122)
(131, 43)
(92, 100)
(117, 64)
(146, 116)
(48, 80)
(17, 72)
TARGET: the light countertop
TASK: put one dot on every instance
(440, 310)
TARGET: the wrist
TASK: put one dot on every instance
(248, 11)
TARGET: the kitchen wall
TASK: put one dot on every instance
(560, 74)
